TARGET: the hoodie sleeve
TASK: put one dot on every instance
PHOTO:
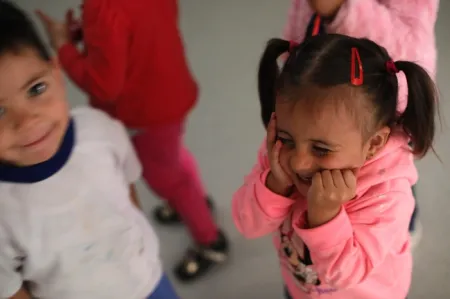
(256, 210)
(297, 18)
(396, 26)
(100, 71)
(347, 249)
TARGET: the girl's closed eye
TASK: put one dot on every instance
(285, 141)
(37, 89)
(320, 151)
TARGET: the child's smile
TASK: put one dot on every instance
(305, 179)
(41, 141)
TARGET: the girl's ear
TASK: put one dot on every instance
(377, 142)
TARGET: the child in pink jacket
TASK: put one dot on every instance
(332, 183)
(405, 28)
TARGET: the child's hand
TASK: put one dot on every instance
(75, 30)
(58, 32)
(329, 190)
(326, 8)
(278, 180)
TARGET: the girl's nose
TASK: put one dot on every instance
(21, 117)
(302, 162)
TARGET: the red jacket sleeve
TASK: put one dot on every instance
(100, 70)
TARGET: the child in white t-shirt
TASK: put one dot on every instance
(68, 225)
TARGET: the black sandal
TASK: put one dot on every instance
(165, 215)
(199, 260)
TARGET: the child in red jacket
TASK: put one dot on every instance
(133, 66)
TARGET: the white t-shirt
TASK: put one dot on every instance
(76, 234)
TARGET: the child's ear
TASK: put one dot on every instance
(377, 142)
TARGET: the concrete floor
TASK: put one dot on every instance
(224, 41)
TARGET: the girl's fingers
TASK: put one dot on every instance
(327, 180)
(349, 179)
(338, 179)
(276, 152)
(317, 181)
(276, 165)
(271, 132)
(43, 17)
(69, 17)
(69, 14)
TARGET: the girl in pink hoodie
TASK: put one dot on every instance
(332, 182)
(405, 28)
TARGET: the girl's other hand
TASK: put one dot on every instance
(329, 190)
(75, 30)
(58, 32)
(278, 181)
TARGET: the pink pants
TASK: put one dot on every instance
(171, 172)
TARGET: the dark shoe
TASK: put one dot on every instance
(199, 260)
(164, 214)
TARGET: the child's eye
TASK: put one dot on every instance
(285, 141)
(320, 151)
(37, 89)
(2, 111)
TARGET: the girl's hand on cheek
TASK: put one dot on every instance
(329, 190)
(278, 181)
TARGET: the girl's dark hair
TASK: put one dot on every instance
(17, 31)
(324, 61)
(268, 106)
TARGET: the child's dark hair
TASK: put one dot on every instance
(17, 32)
(325, 61)
(315, 27)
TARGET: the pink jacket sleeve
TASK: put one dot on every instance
(397, 25)
(256, 210)
(347, 249)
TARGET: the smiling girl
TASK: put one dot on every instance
(333, 179)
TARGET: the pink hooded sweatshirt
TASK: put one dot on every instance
(404, 27)
(363, 253)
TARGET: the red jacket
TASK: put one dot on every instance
(134, 65)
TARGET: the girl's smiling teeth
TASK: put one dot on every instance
(305, 179)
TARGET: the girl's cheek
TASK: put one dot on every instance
(284, 160)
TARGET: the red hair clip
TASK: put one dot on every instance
(356, 63)
(316, 26)
(292, 45)
(391, 67)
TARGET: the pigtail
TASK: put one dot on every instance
(418, 119)
(267, 76)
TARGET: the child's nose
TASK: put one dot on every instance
(21, 118)
(302, 161)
